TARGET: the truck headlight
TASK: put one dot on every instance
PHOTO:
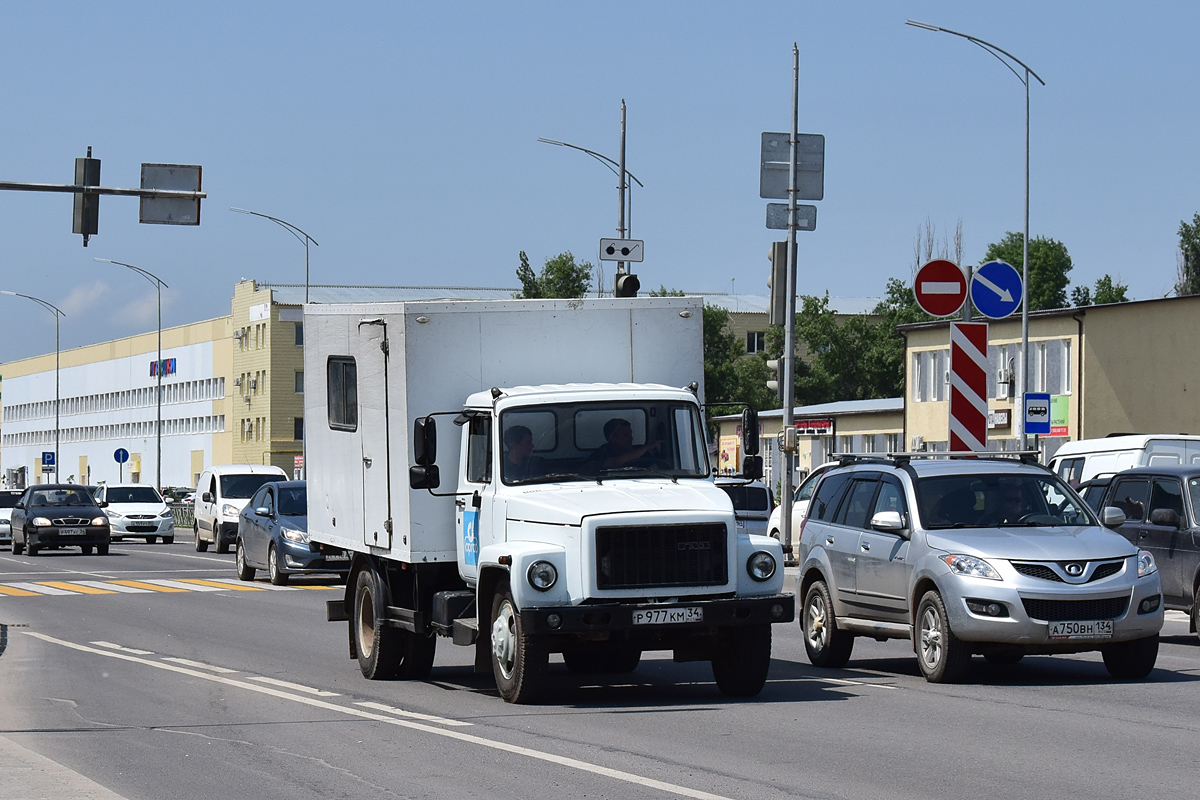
(542, 575)
(971, 567)
(761, 566)
(1146, 565)
(40, 522)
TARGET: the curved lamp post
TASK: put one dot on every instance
(613, 167)
(1008, 59)
(294, 231)
(158, 365)
(58, 314)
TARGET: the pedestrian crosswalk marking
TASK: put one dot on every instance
(113, 587)
(12, 591)
(148, 586)
(203, 583)
(76, 588)
(187, 587)
(38, 589)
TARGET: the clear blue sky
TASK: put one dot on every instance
(403, 137)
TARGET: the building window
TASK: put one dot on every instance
(298, 428)
(299, 340)
(299, 381)
(756, 341)
(341, 380)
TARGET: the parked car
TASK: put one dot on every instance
(8, 499)
(137, 510)
(273, 535)
(971, 556)
(802, 495)
(49, 516)
(1093, 491)
(752, 503)
(1082, 460)
(1161, 510)
(221, 494)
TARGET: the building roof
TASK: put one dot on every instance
(757, 304)
(881, 406)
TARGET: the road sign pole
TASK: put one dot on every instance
(788, 372)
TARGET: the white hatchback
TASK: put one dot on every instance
(137, 510)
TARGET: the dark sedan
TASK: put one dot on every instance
(50, 516)
(273, 535)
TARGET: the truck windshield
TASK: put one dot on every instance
(998, 500)
(600, 441)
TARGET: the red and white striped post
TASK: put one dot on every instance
(968, 385)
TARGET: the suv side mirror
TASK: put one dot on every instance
(1167, 517)
(888, 522)
(1112, 517)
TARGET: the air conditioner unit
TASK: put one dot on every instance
(237, 381)
(918, 443)
(239, 333)
(1002, 390)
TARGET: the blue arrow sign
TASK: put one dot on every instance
(121, 455)
(996, 289)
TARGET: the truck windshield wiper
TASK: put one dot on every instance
(550, 477)
(633, 471)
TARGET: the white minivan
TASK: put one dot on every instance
(221, 494)
(1076, 462)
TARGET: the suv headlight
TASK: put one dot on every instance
(761, 565)
(971, 567)
(542, 575)
(1146, 565)
(300, 537)
(229, 510)
(40, 522)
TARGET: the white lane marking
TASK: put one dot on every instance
(114, 587)
(33, 587)
(256, 585)
(199, 665)
(563, 761)
(123, 649)
(299, 687)
(843, 682)
(191, 587)
(413, 714)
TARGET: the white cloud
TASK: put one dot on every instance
(83, 297)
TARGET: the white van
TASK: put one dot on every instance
(220, 496)
(1076, 462)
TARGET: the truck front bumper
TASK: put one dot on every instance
(676, 617)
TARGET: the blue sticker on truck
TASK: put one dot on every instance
(471, 538)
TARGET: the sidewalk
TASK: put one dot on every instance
(25, 775)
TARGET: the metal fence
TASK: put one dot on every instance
(183, 515)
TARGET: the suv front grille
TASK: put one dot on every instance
(638, 556)
(1075, 610)
(1045, 573)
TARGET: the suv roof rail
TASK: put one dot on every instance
(899, 458)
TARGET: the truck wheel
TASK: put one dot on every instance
(201, 546)
(519, 659)
(743, 661)
(1131, 661)
(245, 572)
(384, 652)
(825, 644)
(943, 657)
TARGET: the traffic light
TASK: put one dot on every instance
(777, 283)
(87, 206)
(775, 384)
(627, 285)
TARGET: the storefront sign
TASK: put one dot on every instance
(814, 427)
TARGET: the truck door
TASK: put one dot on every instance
(474, 504)
(374, 433)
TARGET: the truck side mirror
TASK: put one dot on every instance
(426, 477)
(424, 442)
(752, 467)
(750, 434)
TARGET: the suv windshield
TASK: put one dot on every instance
(241, 487)
(998, 500)
(591, 441)
(132, 494)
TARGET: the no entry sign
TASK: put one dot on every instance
(940, 287)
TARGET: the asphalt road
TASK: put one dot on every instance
(194, 688)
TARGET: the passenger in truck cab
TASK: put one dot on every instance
(618, 449)
(519, 461)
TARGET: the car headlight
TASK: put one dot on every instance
(1146, 565)
(542, 575)
(100, 520)
(971, 567)
(761, 565)
(40, 522)
(112, 514)
(229, 510)
(299, 537)
(166, 513)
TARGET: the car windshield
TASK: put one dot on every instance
(293, 501)
(132, 494)
(998, 500)
(9, 499)
(242, 487)
(60, 497)
(599, 441)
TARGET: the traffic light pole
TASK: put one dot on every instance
(788, 365)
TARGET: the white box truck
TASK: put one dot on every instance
(569, 508)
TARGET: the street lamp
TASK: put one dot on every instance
(58, 313)
(158, 364)
(294, 231)
(613, 167)
(1001, 55)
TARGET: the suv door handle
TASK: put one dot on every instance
(865, 547)
(828, 540)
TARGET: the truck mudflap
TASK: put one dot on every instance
(676, 617)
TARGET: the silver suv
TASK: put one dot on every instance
(985, 556)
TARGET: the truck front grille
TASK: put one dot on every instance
(640, 556)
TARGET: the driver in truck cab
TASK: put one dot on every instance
(618, 449)
(519, 461)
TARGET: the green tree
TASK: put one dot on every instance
(1107, 290)
(1049, 264)
(560, 277)
(1188, 279)
(730, 375)
(851, 358)
(663, 291)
